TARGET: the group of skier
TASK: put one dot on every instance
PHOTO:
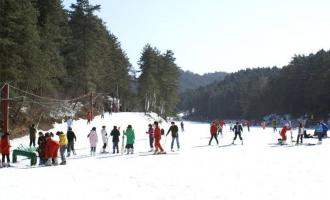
(217, 128)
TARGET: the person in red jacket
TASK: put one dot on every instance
(51, 149)
(283, 134)
(89, 117)
(5, 149)
(214, 131)
(158, 136)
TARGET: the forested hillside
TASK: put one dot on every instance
(301, 87)
(190, 80)
(53, 54)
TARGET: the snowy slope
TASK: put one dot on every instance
(253, 171)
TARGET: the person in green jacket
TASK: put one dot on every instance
(130, 139)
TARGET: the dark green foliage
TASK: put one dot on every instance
(158, 82)
(302, 87)
(190, 80)
(53, 52)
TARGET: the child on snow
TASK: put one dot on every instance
(115, 138)
(63, 146)
(71, 136)
(93, 139)
(5, 150)
(41, 148)
(104, 139)
(150, 132)
(130, 139)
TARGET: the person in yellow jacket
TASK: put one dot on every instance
(63, 146)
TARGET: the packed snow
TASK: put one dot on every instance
(256, 170)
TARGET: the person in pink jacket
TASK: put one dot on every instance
(93, 140)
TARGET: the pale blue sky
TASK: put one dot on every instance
(219, 35)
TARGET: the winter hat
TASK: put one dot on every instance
(94, 129)
(103, 126)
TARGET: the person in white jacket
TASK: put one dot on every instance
(93, 139)
(104, 139)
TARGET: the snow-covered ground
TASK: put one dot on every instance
(256, 170)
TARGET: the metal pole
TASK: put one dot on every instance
(92, 116)
(5, 108)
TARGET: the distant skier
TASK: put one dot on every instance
(71, 140)
(248, 124)
(182, 126)
(263, 124)
(130, 135)
(319, 131)
(283, 138)
(150, 132)
(33, 132)
(157, 134)
(69, 122)
(325, 129)
(238, 129)
(5, 150)
(89, 117)
(104, 139)
(300, 133)
(102, 113)
(274, 125)
(220, 127)
(214, 132)
(93, 139)
(175, 135)
(115, 139)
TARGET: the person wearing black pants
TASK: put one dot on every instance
(238, 129)
(33, 132)
(71, 140)
(150, 132)
(214, 133)
(115, 139)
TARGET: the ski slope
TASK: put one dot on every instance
(256, 170)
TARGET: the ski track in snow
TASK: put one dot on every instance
(255, 170)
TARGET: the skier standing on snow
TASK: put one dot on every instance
(51, 149)
(274, 125)
(89, 117)
(319, 131)
(150, 132)
(214, 132)
(71, 140)
(283, 133)
(325, 129)
(238, 129)
(263, 124)
(115, 138)
(41, 148)
(69, 122)
(63, 146)
(182, 126)
(175, 135)
(93, 139)
(5, 150)
(130, 139)
(158, 136)
(104, 139)
(300, 133)
(33, 133)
